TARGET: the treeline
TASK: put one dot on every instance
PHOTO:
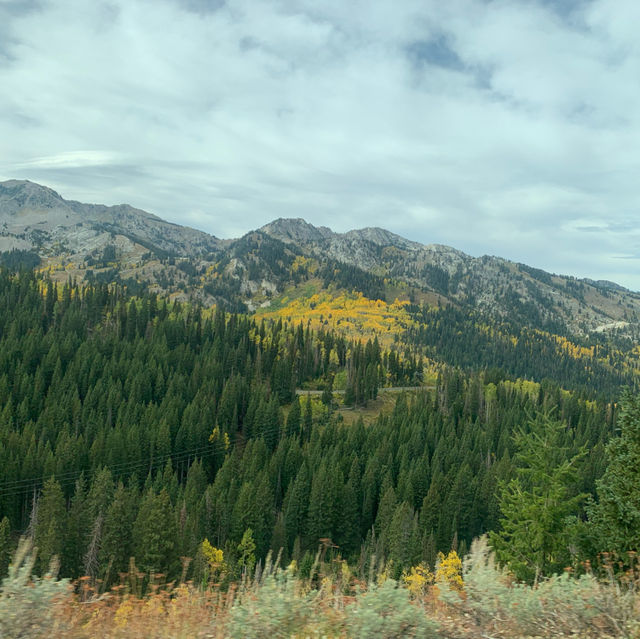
(368, 369)
(420, 480)
(17, 259)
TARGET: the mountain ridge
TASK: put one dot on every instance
(141, 249)
(78, 226)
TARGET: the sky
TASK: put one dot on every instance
(499, 127)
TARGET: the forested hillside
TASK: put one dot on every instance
(290, 258)
(137, 427)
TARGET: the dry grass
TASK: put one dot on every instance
(369, 413)
(277, 603)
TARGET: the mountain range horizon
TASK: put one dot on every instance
(29, 195)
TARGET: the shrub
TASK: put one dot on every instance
(386, 611)
(275, 608)
(27, 604)
(562, 605)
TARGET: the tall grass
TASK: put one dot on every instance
(276, 602)
(493, 605)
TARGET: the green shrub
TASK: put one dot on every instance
(274, 608)
(386, 611)
(27, 603)
(563, 605)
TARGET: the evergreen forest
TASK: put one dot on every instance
(134, 427)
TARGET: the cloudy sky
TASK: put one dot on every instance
(503, 127)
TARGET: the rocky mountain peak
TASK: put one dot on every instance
(293, 230)
(382, 237)
(33, 216)
(16, 195)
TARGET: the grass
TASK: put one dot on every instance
(277, 602)
(369, 413)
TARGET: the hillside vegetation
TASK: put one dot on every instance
(303, 433)
(133, 427)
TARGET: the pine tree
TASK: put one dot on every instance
(155, 534)
(533, 540)
(279, 539)
(77, 527)
(348, 525)
(293, 418)
(117, 541)
(615, 519)
(5, 546)
(385, 513)
(322, 504)
(402, 537)
(51, 524)
(307, 421)
(296, 504)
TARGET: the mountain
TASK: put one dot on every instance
(491, 284)
(122, 243)
(35, 217)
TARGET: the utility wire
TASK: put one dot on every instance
(27, 486)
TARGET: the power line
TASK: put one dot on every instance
(26, 486)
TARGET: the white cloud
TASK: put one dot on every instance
(341, 113)
(70, 160)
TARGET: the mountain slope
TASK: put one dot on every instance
(493, 285)
(292, 257)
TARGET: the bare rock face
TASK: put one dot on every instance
(36, 217)
(490, 285)
(381, 237)
(296, 231)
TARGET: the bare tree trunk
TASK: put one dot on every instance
(91, 556)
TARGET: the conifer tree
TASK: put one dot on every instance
(117, 541)
(154, 534)
(296, 504)
(5, 546)
(77, 530)
(51, 524)
(534, 538)
(293, 418)
(307, 421)
(402, 537)
(615, 518)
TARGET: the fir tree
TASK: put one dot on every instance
(51, 524)
(534, 538)
(615, 518)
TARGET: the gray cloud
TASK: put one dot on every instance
(508, 128)
(202, 6)
(436, 51)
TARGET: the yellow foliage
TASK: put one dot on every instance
(304, 264)
(418, 579)
(384, 574)
(123, 613)
(449, 570)
(215, 436)
(213, 555)
(574, 350)
(352, 314)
